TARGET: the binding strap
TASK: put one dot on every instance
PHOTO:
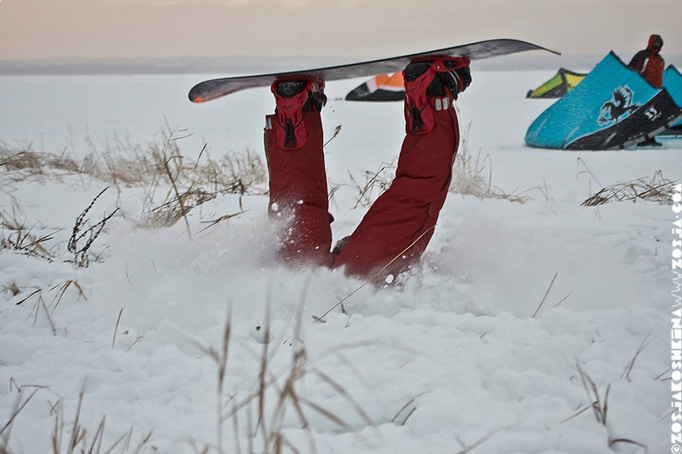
(417, 110)
(291, 134)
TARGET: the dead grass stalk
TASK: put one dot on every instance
(468, 175)
(652, 189)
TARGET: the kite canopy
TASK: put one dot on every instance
(562, 82)
(613, 107)
(672, 81)
(384, 87)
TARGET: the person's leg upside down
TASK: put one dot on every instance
(397, 228)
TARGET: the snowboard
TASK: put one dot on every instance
(216, 88)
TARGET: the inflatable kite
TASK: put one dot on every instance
(384, 87)
(613, 107)
(672, 81)
(562, 82)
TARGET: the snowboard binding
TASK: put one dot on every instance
(441, 77)
(295, 96)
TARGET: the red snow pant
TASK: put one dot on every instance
(397, 228)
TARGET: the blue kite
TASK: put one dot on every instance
(672, 81)
(612, 108)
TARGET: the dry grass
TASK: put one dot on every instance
(545, 297)
(652, 189)
(17, 237)
(124, 164)
(26, 163)
(191, 184)
(599, 404)
(374, 183)
(6, 430)
(174, 184)
(72, 437)
(628, 369)
(38, 295)
(267, 423)
(84, 235)
(276, 401)
(469, 175)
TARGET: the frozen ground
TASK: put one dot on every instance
(451, 356)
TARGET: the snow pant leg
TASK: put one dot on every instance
(407, 212)
(298, 194)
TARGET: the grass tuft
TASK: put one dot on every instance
(375, 183)
(468, 175)
(21, 239)
(276, 401)
(83, 237)
(74, 437)
(599, 404)
(159, 168)
(651, 189)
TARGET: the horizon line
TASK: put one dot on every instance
(251, 64)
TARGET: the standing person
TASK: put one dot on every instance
(649, 63)
(397, 228)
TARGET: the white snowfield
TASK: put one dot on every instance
(541, 327)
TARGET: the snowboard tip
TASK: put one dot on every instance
(196, 98)
(199, 99)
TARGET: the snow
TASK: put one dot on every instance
(449, 356)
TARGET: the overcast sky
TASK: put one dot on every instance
(47, 29)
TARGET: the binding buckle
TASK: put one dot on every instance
(292, 133)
